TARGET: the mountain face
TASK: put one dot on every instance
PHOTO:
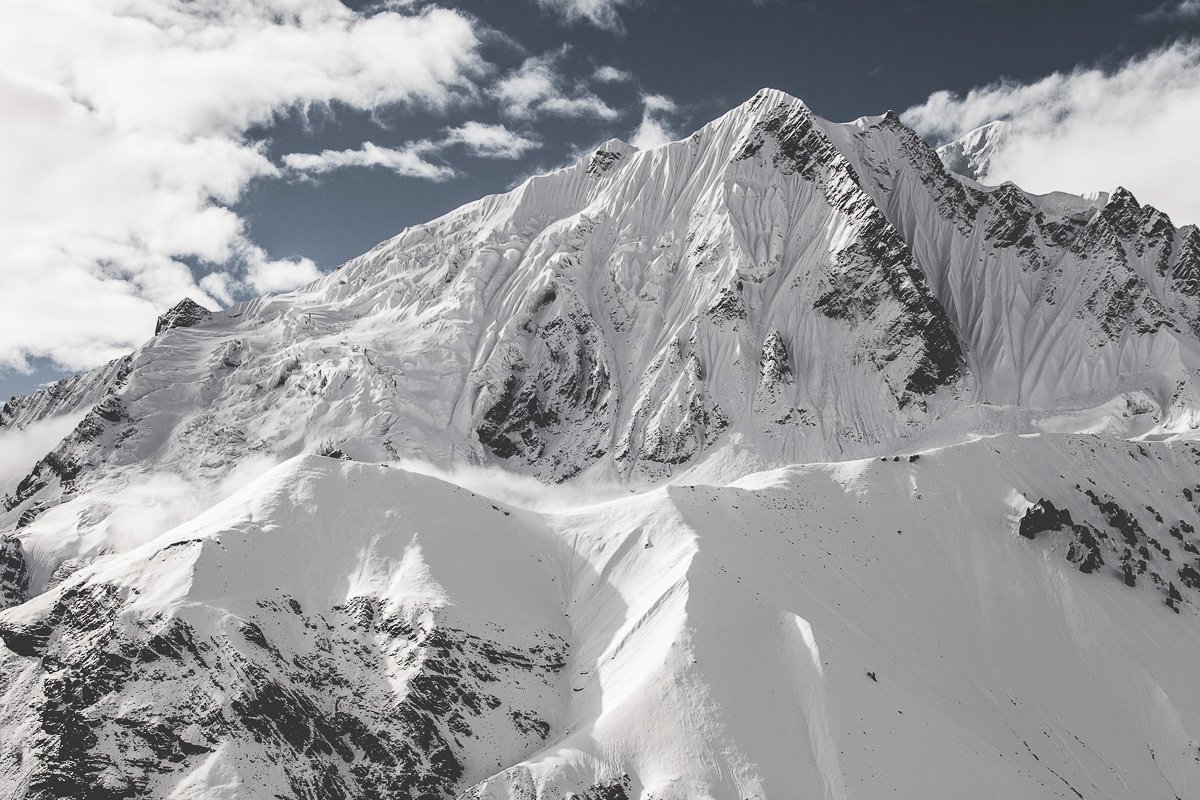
(973, 154)
(779, 461)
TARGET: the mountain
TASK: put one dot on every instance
(971, 155)
(777, 461)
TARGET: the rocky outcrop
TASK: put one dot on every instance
(184, 314)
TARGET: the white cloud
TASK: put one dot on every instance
(1173, 10)
(412, 160)
(536, 87)
(653, 130)
(20, 448)
(491, 141)
(408, 161)
(601, 13)
(126, 129)
(1091, 129)
(610, 74)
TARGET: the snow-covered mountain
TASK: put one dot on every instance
(779, 461)
(973, 154)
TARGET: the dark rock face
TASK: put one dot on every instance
(184, 314)
(363, 704)
(1119, 518)
(550, 411)
(876, 269)
(1041, 517)
(66, 396)
(14, 576)
(675, 416)
(1131, 543)
(602, 161)
(63, 467)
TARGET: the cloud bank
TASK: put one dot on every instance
(1090, 129)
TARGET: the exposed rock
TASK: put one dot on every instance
(184, 314)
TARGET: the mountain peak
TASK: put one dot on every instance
(607, 154)
(972, 154)
(766, 101)
(184, 314)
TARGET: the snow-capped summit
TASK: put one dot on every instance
(972, 154)
(842, 437)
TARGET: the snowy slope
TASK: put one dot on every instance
(348, 630)
(232, 577)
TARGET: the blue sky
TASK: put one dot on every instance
(221, 148)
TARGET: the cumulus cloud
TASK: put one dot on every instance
(601, 13)
(1090, 129)
(126, 142)
(653, 129)
(610, 74)
(486, 140)
(537, 88)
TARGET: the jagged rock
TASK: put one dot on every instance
(184, 314)
(1041, 517)
(14, 575)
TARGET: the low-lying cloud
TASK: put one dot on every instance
(1090, 129)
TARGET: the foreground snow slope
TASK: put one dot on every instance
(866, 629)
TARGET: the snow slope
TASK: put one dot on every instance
(673, 541)
(853, 630)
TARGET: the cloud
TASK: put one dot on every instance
(156, 502)
(653, 130)
(610, 74)
(1090, 129)
(127, 127)
(408, 161)
(601, 13)
(486, 140)
(412, 160)
(21, 448)
(537, 88)
(1174, 10)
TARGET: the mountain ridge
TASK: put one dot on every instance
(776, 461)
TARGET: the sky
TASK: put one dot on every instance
(220, 149)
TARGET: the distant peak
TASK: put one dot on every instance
(770, 98)
(184, 314)
(615, 145)
(1123, 197)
